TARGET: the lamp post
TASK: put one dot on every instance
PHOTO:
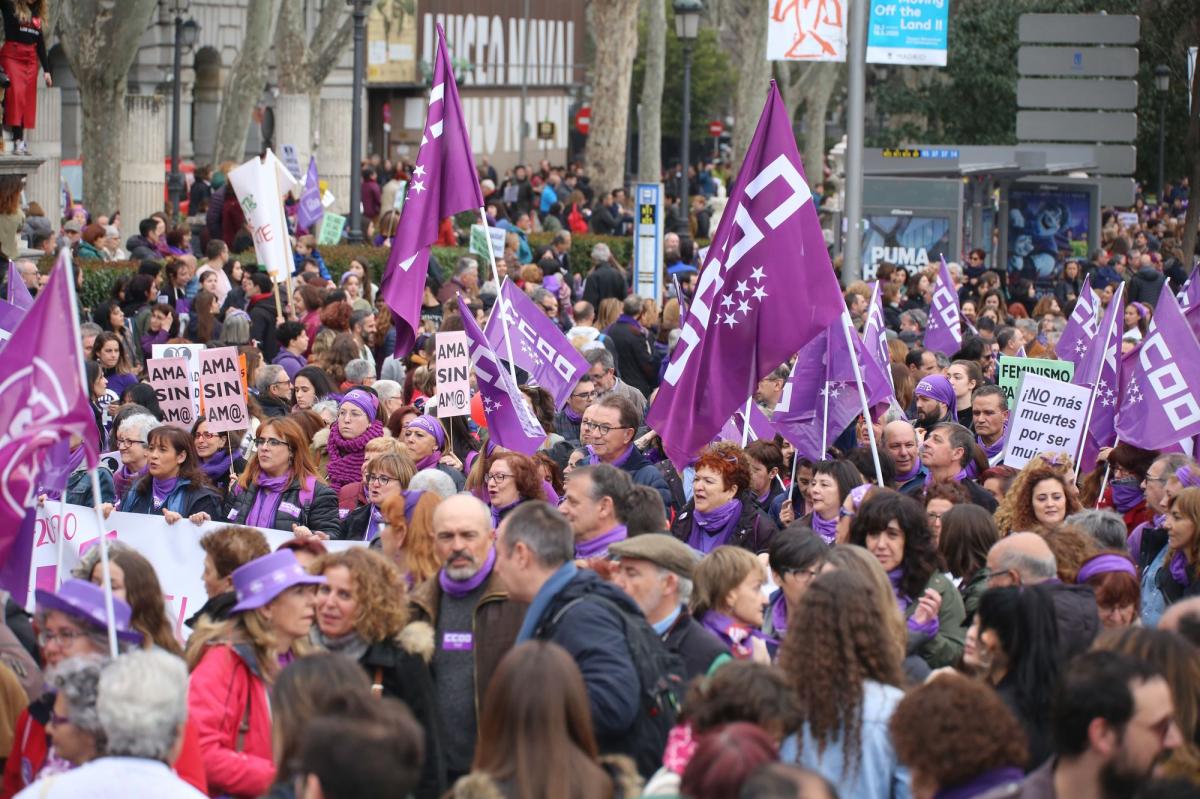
(1162, 82)
(687, 27)
(186, 33)
(355, 234)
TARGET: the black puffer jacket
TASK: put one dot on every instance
(754, 529)
(317, 511)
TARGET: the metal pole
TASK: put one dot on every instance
(856, 90)
(355, 234)
(1162, 144)
(684, 156)
(175, 181)
(524, 86)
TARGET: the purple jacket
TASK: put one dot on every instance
(290, 362)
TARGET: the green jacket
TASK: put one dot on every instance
(945, 648)
(972, 591)
(89, 251)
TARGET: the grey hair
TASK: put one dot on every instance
(607, 481)
(359, 316)
(89, 329)
(601, 356)
(601, 253)
(266, 376)
(325, 405)
(893, 414)
(543, 530)
(1107, 528)
(1039, 569)
(1027, 326)
(916, 315)
(434, 480)
(385, 389)
(358, 370)
(943, 360)
(87, 564)
(143, 423)
(236, 330)
(1174, 461)
(685, 585)
(464, 264)
(632, 305)
(143, 704)
(539, 294)
(77, 680)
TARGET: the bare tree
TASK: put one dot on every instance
(246, 79)
(650, 119)
(747, 21)
(1193, 146)
(811, 85)
(100, 41)
(616, 23)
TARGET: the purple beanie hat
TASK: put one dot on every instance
(937, 387)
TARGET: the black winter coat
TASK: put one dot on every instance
(319, 515)
(262, 326)
(754, 529)
(635, 357)
(186, 500)
(694, 644)
(604, 282)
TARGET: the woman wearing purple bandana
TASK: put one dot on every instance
(173, 485)
(216, 461)
(425, 438)
(728, 601)
(1114, 579)
(357, 423)
(1173, 557)
(894, 529)
(723, 510)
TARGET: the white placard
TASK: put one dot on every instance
(192, 353)
(1048, 417)
(453, 369)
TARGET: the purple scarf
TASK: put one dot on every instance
(217, 467)
(593, 458)
(373, 523)
(963, 474)
(1126, 494)
(598, 546)
(150, 339)
(710, 529)
(779, 617)
(981, 784)
(430, 461)
(992, 450)
(266, 501)
(929, 628)
(732, 633)
(826, 529)
(570, 414)
(161, 488)
(460, 588)
(627, 320)
(901, 479)
(123, 478)
(346, 456)
(1179, 569)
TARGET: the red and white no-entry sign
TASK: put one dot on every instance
(583, 120)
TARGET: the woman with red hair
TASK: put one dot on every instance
(723, 511)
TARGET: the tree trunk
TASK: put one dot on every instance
(291, 48)
(650, 119)
(1193, 146)
(611, 79)
(748, 23)
(246, 79)
(822, 78)
(100, 43)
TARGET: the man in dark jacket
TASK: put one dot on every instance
(264, 316)
(656, 570)
(603, 221)
(144, 246)
(947, 452)
(274, 390)
(575, 609)
(635, 354)
(1147, 282)
(608, 427)
(605, 279)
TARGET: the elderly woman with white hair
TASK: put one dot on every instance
(391, 396)
(133, 446)
(74, 724)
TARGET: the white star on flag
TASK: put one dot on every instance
(419, 171)
(743, 307)
(727, 301)
(759, 293)
(758, 274)
(742, 287)
(1080, 347)
(418, 186)
(731, 319)
(491, 406)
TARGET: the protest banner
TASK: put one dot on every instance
(1010, 369)
(330, 232)
(453, 374)
(1048, 417)
(479, 241)
(171, 380)
(223, 389)
(192, 353)
(172, 549)
(260, 186)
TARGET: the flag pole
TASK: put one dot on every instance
(1104, 480)
(62, 525)
(750, 398)
(862, 396)
(825, 412)
(1087, 419)
(512, 368)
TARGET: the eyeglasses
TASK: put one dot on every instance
(378, 479)
(933, 517)
(1159, 480)
(550, 309)
(123, 443)
(281, 383)
(64, 638)
(495, 477)
(602, 429)
(204, 435)
(583, 395)
(802, 573)
(274, 442)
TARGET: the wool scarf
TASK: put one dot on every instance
(711, 529)
(346, 456)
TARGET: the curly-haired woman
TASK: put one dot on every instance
(722, 510)
(845, 676)
(362, 613)
(1040, 498)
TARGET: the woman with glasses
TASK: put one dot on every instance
(173, 484)
(279, 489)
(796, 556)
(510, 479)
(132, 442)
(219, 461)
(385, 475)
(357, 423)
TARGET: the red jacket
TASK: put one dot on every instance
(223, 686)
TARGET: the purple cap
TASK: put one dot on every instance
(367, 402)
(937, 387)
(84, 601)
(432, 426)
(263, 579)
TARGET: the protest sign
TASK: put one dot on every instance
(260, 186)
(172, 549)
(223, 390)
(479, 241)
(192, 353)
(1048, 417)
(452, 372)
(171, 381)
(1010, 369)
(331, 229)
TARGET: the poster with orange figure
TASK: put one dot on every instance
(806, 30)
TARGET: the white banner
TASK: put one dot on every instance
(797, 32)
(173, 549)
(1048, 417)
(260, 188)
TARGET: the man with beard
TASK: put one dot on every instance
(936, 402)
(989, 417)
(1113, 723)
(474, 620)
(900, 440)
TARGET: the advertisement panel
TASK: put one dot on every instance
(1047, 224)
(912, 240)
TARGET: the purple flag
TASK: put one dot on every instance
(539, 346)
(944, 333)
(1081, 327)
(1098, 369)
(1192, 315)
(1159, 407)
(761, 428)
(43, 400)
(511, 422)
(444, 183)
(682, 300)
(18, 293)
(766, 289)
(874, 335)
(10, 317)
(311, 209)
(1189, 295)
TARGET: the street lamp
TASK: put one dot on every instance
(687, 27)
(355, 234)
(1162, 82)
(186, 34)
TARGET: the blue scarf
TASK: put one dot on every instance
(710, 529)
(541, 600)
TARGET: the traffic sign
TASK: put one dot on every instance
(583, 120)
(1117, 95)
(545, 130)
(1078, 28)
(1076, 126)
(1079, 62)
(715, 128)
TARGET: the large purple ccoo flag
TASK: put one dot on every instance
(1159, 406)
(766, 289)
(944, 333)
(1099, 370)
(539, 346)
(311, 208)
(444, 183)
(1077, 336)
(43, 400)
(511, 422)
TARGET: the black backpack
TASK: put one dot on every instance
(661, 677)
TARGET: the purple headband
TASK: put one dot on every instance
(364, 400)
(1141, 309)
(1105, 564)
(431, 426)
(937, 387)
(1188, 476)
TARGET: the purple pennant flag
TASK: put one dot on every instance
(511, 422)
(18, 293)
(682, 300)
(766, 289)
(761, 428)
(1159, 407)
(1098, 370)
(311, 209)
(1192, 315)
(43, 400)
(1189, 295)
(944, 333)
(444, 183)
(1081, 327)
(539, 346)
(10, 317)
(874, 335)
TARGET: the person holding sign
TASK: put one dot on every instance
(217, 460)
(173, 484)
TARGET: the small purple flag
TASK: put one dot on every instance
(874, 335)
(1192, 315)
(539, 346)
(682, 300)
(944, 333)
(311, 209)
(766, 289)
(18, 292)
(511, 422)
(761, 428)
(1098, 369)
(1189, 295)
(1081, 327)
(1159, 407)
(10, 317)
(444, 183)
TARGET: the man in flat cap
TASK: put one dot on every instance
(656, 571)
